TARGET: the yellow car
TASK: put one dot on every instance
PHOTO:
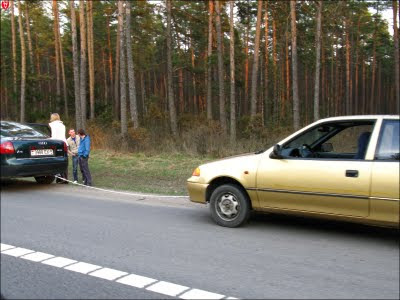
(343, 168)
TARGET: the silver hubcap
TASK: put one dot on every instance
(227, 207)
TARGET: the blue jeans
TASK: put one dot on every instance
(75, 162)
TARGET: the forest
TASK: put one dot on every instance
(196, 76)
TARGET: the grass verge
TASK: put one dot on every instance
(161, 174)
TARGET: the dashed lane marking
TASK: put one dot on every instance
(137, 281)
(17, 252)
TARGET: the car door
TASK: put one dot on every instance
(319, 185)
(385, 203)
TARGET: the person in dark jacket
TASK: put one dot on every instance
(83, 154)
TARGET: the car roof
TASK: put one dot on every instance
(359, 117)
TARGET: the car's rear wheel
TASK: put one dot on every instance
(229, 206)
(45, 179)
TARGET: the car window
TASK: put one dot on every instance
(388, 146)
(12, 129)
(336, 140)
(347, 140)
(41, 128)
(309, 137)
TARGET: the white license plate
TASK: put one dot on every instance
(42, 152)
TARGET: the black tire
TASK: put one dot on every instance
(45, 179)
(236, 209)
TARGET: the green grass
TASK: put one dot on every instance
(161, 174)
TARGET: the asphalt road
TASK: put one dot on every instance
(174, 241)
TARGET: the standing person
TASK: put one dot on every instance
(73, 145)
(83, 153)
(58, 133)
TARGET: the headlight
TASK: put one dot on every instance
(196, 172)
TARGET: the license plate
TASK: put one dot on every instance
(42, 152)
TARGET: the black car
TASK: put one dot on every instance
(27, 152)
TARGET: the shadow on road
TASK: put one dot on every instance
(20, 184)
(329, 227)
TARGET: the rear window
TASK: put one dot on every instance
(12, 129)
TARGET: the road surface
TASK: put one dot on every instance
(82, 243)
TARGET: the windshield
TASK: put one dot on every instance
(12, 129)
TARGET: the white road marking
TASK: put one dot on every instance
(59, 262)
(17, 252)
(37, 256)
(200, 294)
(109, 274)
(82, 267)
(136, 280)
(5, 247)
(167, 288)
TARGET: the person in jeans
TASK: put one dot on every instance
(58, 133)
(83, 153)
(73, 144)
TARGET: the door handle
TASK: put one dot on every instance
(351, 173)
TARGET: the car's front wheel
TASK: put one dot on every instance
(229, 206)
(45, 179)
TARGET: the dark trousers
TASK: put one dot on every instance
(84, 166)
(75, 162)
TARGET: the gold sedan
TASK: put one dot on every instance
(343, 168)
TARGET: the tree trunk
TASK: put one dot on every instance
(38, 72)
(57, 55)
(116, 78)
(62, 71)
(61, 57)
(23, 63)
(122, 74)
(75, 56)
(254, 74)
(296, 115)
(246, 70)
(83, 78)
(356, 101)
(131, 70)
(195, 104)
(110, 61)
(28, 32)
(105, 79)
(232, 69)
(317, 61)
(266, 100)
(209, 53)
(274, 71)
(287, 70)
(89, 11)
(171, 101)
(14, 49)
(363, 87)
(396, 57)
(181, 93)
(348, 77)
(221, 83)
(143, 93)
(374, 41)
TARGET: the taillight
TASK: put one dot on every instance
(65, 147)
(7, 148)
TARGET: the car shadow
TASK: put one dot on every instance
(317, 225)
(14, 184)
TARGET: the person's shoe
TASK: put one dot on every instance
(75, 181)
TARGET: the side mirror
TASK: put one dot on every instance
(327, 147)
(276, 152)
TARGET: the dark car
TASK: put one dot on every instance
(27, 152)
